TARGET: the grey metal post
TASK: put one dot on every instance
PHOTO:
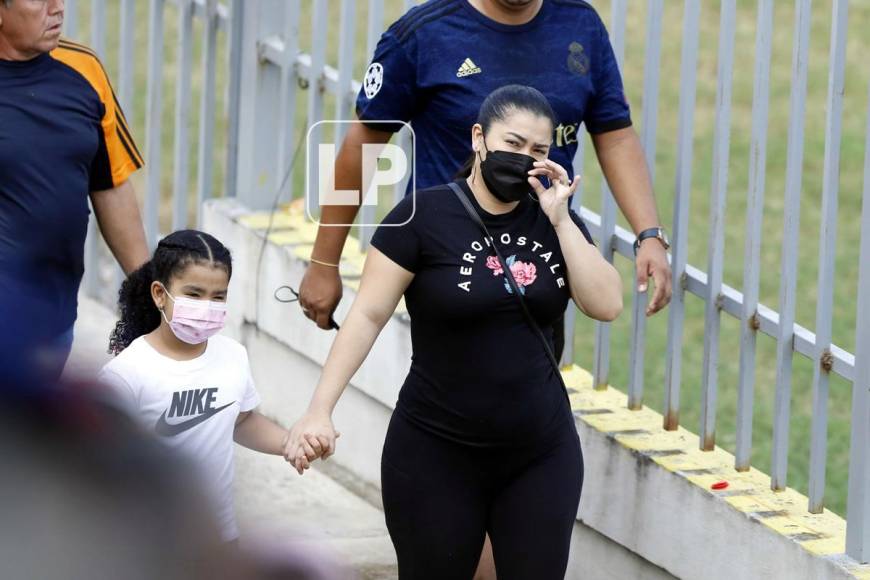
(207, 108)
(648, 139)
(571, 312)
(676, 311)
(181, 157)
(316, 88)
(754, 215)
(601, 362)
(236, 35)
(260, 91)
(827, 256)
(709, 377)
(858, 514)
(154, 123)
(71, 19)
(791, 228)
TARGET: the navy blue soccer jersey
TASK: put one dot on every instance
(435, 66)
(62, 136)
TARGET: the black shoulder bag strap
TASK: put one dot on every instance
(510, 278)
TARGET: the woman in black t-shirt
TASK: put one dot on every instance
(482, 438)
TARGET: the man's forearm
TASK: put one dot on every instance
(330, 239)
(117, 213)
(624, 165)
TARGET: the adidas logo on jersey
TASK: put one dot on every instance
(468, 68)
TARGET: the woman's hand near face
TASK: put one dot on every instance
(312, 436)
(553, 200)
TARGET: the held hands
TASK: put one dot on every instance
(311, 437)
(554, 200)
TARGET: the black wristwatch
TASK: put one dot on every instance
(657, 233)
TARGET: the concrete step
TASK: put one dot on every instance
(312, 511)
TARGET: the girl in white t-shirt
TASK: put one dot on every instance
(192, 387)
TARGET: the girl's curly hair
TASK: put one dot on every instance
(139, 314)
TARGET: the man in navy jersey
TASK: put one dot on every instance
(63, 140)
(433, 68)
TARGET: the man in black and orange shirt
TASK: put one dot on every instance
(63, 139)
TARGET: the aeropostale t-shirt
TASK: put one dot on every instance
(479, 374)
(192, 406)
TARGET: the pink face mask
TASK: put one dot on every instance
(195, 321)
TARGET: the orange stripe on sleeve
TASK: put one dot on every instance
(123, 156)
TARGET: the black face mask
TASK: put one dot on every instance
(506, 174)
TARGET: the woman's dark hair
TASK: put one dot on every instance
(502, 102)
(174, 253)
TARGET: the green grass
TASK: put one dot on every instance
(851, 183)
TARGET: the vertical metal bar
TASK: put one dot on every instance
(234, 88)
(126, 66)
(289, 83)
(320, 22)
(154, 113)
(791, 228)
(710, 370)
(655, 8)
(181, 160)
(375, 27)
(571, 313)
(71, 19)
(601, 361)
(827, 255)
(207, 108)
(98, 27)
(676, 314)
(858, 516)
(754, 213)
(344, 99)
(126, 79)
(92, 240)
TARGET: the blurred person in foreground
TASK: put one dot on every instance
(63, 141)
(85, 494)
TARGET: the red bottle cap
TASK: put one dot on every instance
(720, 485)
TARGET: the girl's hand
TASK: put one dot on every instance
(311, 437)
(554, 201)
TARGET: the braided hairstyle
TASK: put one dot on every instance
(174, 253)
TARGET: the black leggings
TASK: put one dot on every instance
(441, 498)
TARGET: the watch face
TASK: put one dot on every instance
(664, 237)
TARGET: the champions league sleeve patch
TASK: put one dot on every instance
(373, 80)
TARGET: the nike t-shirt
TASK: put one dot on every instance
(435, 66)
(479, 374)
(193, 406)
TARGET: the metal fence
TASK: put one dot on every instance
(269, 69)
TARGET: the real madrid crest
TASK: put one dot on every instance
(578, 60)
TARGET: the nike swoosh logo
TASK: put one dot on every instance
(170, 430)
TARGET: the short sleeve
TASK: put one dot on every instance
(120, 389)
(608, 108)
(582, 225)
(397, 237)
(251, 398)
(388, 88)
(117, 157)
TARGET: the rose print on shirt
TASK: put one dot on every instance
(524, 273)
